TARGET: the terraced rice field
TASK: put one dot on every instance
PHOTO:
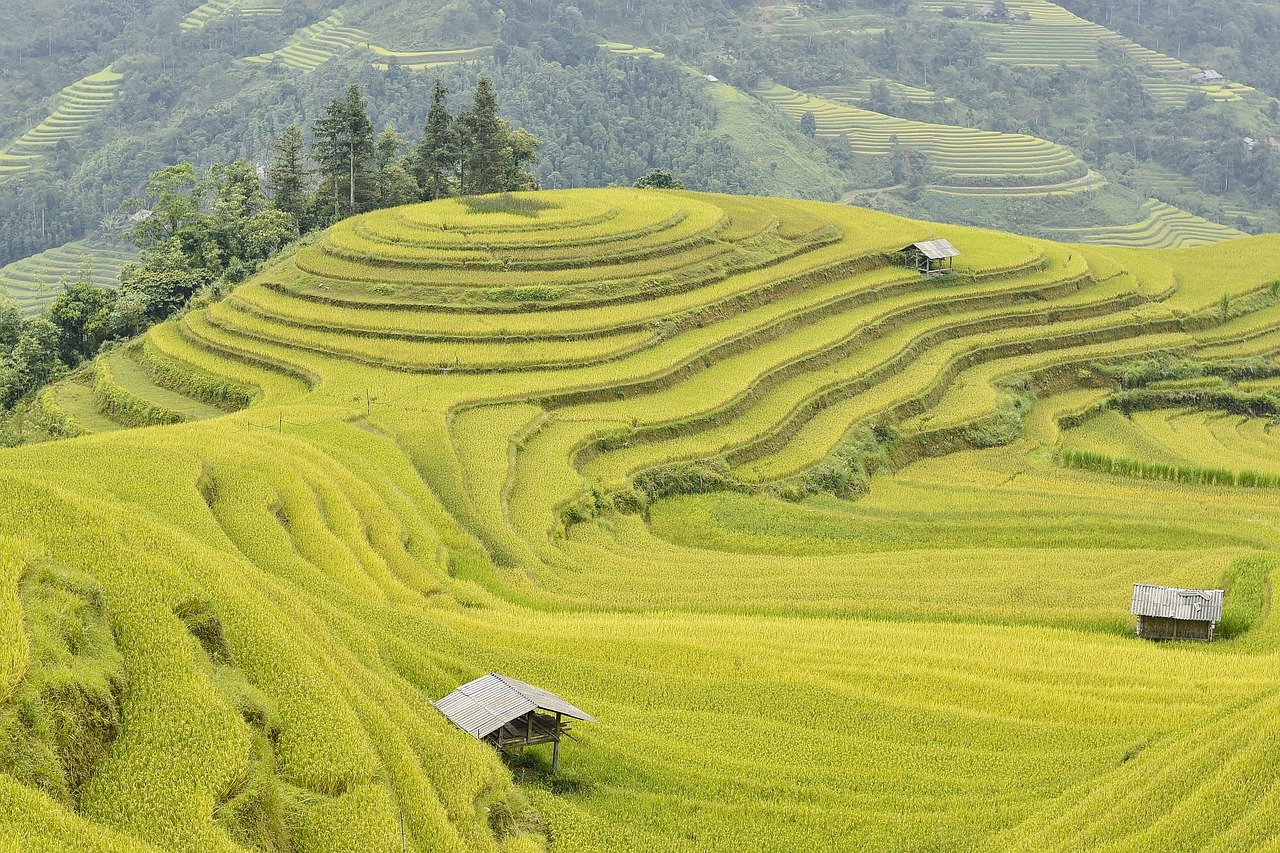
(75, 107)
(862, 92)
(1048, 35)
(797, 22)
(493, 434)
(961, 156)
(1182, 437)
(1174, 95)
(1165, 226)
(421, 60)
(36, 281)
(623, 49)
(221, 9)
(312, 46)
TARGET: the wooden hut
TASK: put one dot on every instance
(1168, 613)
(931, 257)
(511, 714)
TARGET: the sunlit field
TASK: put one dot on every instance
(826, 545)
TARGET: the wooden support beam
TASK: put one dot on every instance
(555, 748)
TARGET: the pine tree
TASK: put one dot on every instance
(438, 153)
(486, 152)
(522, 147)
(394, 184)
(287, 177)
(344, 148)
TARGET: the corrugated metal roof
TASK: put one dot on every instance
(1203, 605)
(937, 249)
(483, 706)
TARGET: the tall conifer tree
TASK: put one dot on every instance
(438, 153)
(486, 152)
(287, 177)
(344, 148)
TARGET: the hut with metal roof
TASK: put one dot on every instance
(510, 714)
(1169, 613)
(931, 257)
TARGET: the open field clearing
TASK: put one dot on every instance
(791, 19)
(36, 281)
(623, 49)
(839, 554)
(75, 107)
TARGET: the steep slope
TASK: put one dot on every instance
(539, 434)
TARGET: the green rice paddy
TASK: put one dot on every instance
(223, 9)
(36, 281)
(1163, 226)
(962, 156)
(75, 107)
(312, 46)
(606, 441)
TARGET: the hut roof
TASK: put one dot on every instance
(483, 706)
(936, 249)
(1202, 605)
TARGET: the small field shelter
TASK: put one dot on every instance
(1169, 613)
(511, 714)
(931, 257)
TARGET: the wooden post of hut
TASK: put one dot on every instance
(510, 714)
(931, 257)
(1169, 613)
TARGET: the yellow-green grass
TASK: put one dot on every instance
(1184, 437)
(34, 282)
(75, 107)
(74, 406)
(1088, 183)
(947, 663)
(962, 156)
(312, 46)
(670, 244)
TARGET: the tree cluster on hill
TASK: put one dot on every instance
(472, 153)
(206, 232)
